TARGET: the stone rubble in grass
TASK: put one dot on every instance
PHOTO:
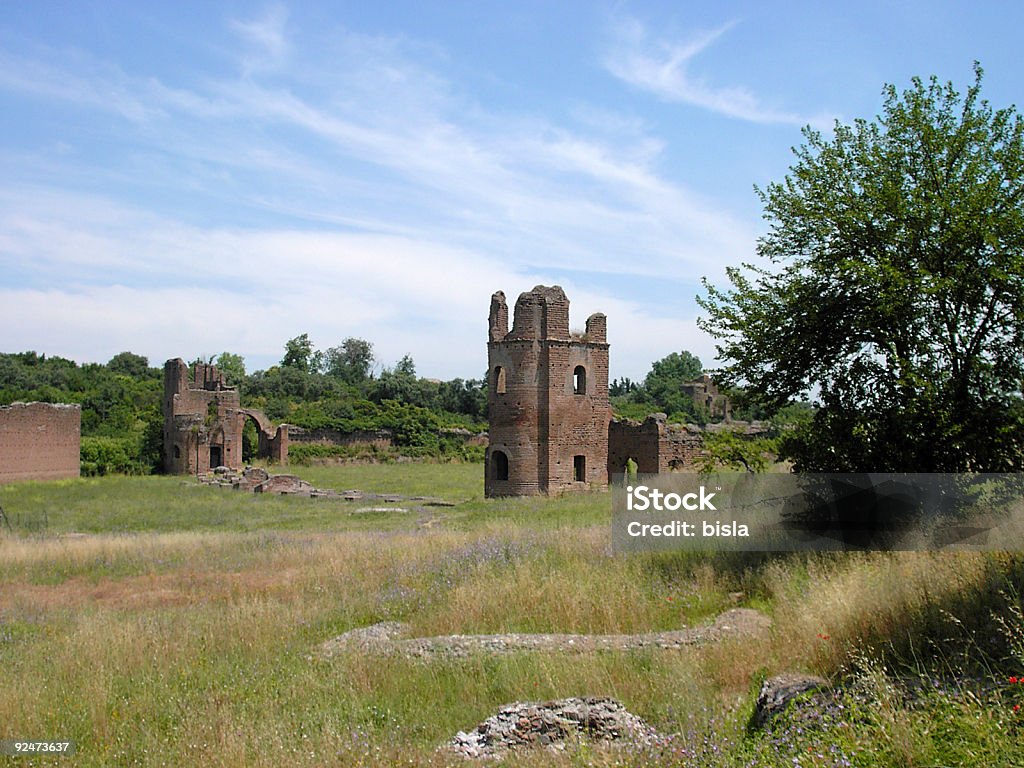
(553, 725)
(732, 623)
(258, 480)
(777, 692)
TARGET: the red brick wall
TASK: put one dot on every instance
(39, 441)
(640, 442)
(654, 445)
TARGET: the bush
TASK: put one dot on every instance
(110, 455)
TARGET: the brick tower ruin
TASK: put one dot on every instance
(547, 398)
(204, 419)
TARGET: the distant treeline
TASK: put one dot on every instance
(122, 424)
(338, 388)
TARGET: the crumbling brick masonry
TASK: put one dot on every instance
(547, 398)
(39, 441)
(551, 426)
(204, 419)
(654, 445)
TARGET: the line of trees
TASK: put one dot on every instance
(337, 388)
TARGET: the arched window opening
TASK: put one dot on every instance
(177, 451)
(499, 380)
(579, 468)
(499, 465)
(579, 380)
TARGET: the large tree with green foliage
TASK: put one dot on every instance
(893, 291)
(351, 362)
(232, 366)
(299, 354)
(663, 385)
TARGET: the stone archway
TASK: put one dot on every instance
(272, 444)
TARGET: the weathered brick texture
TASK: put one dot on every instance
(203, 422)
(547, 401)
(547, 398)
(654, 445)
(39, 441)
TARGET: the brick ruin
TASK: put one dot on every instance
(705, 392)
(655, 445)
(40, 441)
(204, 421)
(547, 398)
(551, 425)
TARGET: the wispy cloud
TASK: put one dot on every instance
(266, 34)
(349, 190)
(663, 67)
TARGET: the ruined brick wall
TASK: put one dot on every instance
(547, 397)
(657, 446)
(203, 420)
(680, 446)
(654, 445)
(632, 440)
(705, 392)
(380, 438)
(272, 443)
(276, 449)
(39, 441)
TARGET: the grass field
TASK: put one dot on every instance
(157, 622)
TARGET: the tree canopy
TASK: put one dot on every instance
(892, 290)
(298, 354)
(232, 366)
(351, 361)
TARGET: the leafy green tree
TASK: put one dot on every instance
(351, 362)
(405, 366)
(663, 385)
(400, 383)
(733, 450)
(621, 387)
(129, 364)
(468, 398)
(893, 291)
(298, 354)
(232, 366)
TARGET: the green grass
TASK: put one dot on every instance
(182, 628)
(119, 504)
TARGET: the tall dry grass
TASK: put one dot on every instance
(198, 647)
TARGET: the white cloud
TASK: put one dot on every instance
(267, 37)
(376, 203)
(663, 67)
(192, 291)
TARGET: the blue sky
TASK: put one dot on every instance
(181, 179)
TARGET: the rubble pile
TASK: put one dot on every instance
(552, 724)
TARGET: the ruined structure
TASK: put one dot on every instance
(547, 398)
(39, 441)
(204, 419)
(551, 426)
(705, 393)
(655, 445)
